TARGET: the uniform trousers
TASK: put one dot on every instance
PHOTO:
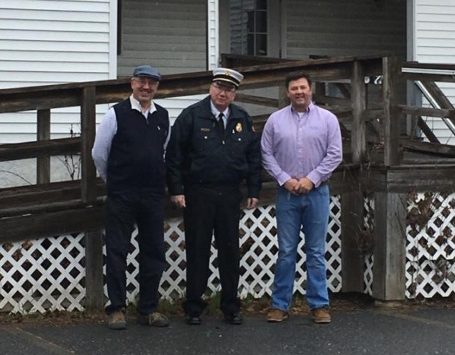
(212, 211)
(143, 208)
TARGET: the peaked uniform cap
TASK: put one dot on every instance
(229, 76)
(147, 71)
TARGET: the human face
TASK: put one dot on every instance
(222, 95)
(300, 94)
(144, 89)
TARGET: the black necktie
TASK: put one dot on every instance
(220, 124)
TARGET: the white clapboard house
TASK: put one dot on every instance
(59, 41)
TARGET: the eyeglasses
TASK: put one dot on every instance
(226, 89)
(143, 81)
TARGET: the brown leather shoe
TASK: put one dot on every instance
(117, 320)
(276, 315)
(321, 316)
(154, 319)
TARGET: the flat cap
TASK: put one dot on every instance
(147, 71)
(226, 75)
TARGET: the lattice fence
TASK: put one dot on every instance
(368, 243)
(42, 275)
(430, 250)
(48, 274)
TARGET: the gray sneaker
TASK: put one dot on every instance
(116, 320)
(154, 319)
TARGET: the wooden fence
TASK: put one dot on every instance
(375, 159)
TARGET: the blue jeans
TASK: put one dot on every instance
(310, 211)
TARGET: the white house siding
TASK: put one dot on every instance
(50, 42)
(338, 28)
(434, 42)
(170, 35)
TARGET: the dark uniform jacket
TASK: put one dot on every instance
(197, 154)
(136, 159)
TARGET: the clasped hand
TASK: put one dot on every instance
(298, 187)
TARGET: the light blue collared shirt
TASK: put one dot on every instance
(216, 113)
(307, 145)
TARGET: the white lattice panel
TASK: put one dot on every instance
(368, 222)
(43, 275)
(430, 248)
(258, 249)
(49, 274)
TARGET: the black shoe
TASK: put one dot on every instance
(234, 318)
(193, 320)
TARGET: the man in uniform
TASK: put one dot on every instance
(213, 148)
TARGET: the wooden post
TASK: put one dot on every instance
(94, 293)
(43, 133)
(358, 100)
(392, 126)
(93, 241)
(352, 260)
(389, 281)
(88, 128)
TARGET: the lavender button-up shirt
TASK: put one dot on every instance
(307, 146)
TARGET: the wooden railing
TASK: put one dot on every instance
(52, 208)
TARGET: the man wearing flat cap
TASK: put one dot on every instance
(129, 156)
(212, 150)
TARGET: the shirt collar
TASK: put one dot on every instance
(308, 110)
(216, 112)
(136, 105)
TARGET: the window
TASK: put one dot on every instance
(248, 23)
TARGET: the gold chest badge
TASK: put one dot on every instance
(238, 127)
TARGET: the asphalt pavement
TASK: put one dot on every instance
(369, 330)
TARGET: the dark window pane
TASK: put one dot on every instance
(261, 44)
(261, 21)
(250, 22)
(261, 4)
(250, 44)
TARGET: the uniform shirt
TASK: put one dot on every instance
(198, 155)
(296, 146)
(216, 113)
(106, 132)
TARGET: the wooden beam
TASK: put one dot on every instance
(427, 131)
(88, 128)
(352, 260)
(42, 194)
(108, 91)
(389, 246)
(425, 176)
(446, 150)
(43, 133)
(358, 102)
(69, 221)
(427, 111)
(391, 122)
(94, 282)
(256, 100)
(15, 151)
(93, 239)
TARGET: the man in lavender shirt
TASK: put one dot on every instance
(301, 147)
